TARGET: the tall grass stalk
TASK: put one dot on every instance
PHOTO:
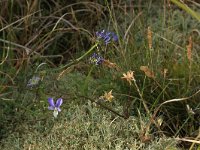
(187, 9)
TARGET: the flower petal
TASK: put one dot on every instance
(58, 108)
(51, 102)
(51, 108)
(59, 102)
(115, 38)
(55, 113)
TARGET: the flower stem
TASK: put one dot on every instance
(80, 58)
(143, 101)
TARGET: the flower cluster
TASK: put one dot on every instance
(96, 59)
(106, 36)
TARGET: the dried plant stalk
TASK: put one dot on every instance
(110, 64)
(149, 73)
(189, 49)
(149, 37)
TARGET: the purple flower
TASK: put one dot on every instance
(55, 107)
(114, 37)
(106, 36)
(96, 59)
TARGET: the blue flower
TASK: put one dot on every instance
(114, 37)
(106, 36)
(96, 59)
(33, 81)
(55, 107)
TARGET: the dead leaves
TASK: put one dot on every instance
(110, 64)
(149, 73)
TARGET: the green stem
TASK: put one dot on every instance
(141, 96)
(80, 58)
(88, 52)
(187, 9)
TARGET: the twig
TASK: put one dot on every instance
(104, 106)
